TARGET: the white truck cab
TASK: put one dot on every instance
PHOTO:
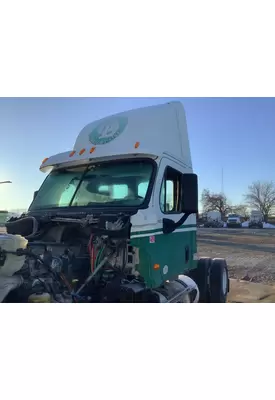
(234, 221)
(128, 185)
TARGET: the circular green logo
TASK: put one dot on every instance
(108, 130)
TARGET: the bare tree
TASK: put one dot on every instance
(261, 196)
(241, 209)
(215, 202)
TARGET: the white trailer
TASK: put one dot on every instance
(213, 219)
(256, 219)
(214, 215)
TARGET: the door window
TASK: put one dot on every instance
(171, 192)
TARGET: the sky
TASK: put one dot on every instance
(236, 135)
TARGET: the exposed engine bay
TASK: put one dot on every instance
(77, 259)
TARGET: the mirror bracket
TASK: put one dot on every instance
(170, 226)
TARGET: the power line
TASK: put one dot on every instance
(1, 183)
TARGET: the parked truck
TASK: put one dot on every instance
(114, 220)
(234, 221)
(256, 220)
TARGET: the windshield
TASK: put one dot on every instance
(114, 183)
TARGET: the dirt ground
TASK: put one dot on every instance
(249, 256)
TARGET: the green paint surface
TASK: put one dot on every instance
(167, 250)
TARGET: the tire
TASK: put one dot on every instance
(201, 276)
(218, 281)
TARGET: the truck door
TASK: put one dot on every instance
(176, 248)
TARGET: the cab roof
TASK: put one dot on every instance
(145, 132)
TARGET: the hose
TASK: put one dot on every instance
(91, 251)
(99, 255)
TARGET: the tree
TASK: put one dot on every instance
(261, 196)
(215, 202)
(240, 209)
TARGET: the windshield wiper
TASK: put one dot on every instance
(78, 186)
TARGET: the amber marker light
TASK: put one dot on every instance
(45, 159)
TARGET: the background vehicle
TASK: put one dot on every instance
(256, 220)
(115, 219)
(234, 221)
(213, 220)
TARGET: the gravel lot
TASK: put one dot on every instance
(250, 255)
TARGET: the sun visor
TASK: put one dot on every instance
(64, 159)
(73, 158)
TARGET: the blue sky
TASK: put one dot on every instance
(236, 134)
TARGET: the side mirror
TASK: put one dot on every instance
(189, 197)
(35, 194)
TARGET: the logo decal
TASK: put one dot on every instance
(108, 130)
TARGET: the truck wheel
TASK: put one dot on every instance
(201, 276)
(218, 281)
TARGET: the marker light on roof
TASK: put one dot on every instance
(82, 151)
(137, 145)
(72, 154)
(92, 150)
(45, 159)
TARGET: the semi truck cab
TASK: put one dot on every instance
(127, 193)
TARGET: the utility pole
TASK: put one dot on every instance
(222, 183)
